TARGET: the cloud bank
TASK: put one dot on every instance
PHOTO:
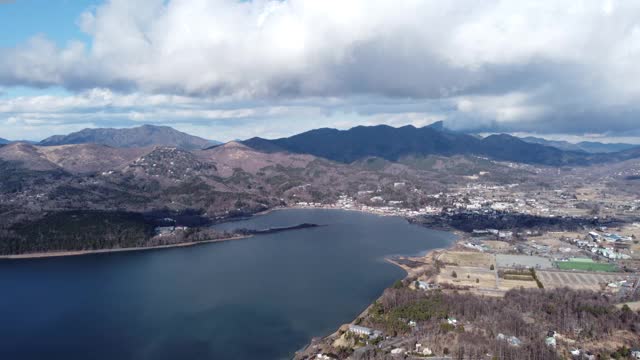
(545, 67)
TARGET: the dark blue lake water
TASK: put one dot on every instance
(257, 298)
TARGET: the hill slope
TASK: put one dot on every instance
(142, 136)
(234, 155)
(81, 158)
(27, 156)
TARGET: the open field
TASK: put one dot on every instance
(516, 279)
(553, 239)
(468, 258)
(635, 251)
(498, 246)
(586, 266)
(507, 285)
(634, 231)
(634, 306)
(467, 275)
(513, 261)
(577, 280)
(482, 280)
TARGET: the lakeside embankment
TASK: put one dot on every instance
(245, 235)
(104, 251)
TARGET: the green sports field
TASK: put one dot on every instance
(586, 266)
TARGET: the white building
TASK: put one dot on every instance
(360, 330)
(364, 331)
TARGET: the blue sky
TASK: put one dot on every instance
(55, 19)
(228, 69)
(22, 19)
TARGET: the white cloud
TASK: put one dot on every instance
(34, 117)
(495, 62)
(506, 108)
(37, 117)
(261, 48)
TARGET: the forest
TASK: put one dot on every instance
(586, 319)
(469, 221)
(76, 230)
(96, 230)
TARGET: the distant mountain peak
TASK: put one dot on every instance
(234, 144)
(438, 125)
(141, 136)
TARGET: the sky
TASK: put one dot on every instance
(230, 69)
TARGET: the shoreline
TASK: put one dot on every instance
(391, 259)
(54, 254)
(333, 207)
(430, 255)
(65, 253)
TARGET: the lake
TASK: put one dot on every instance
(258, 298)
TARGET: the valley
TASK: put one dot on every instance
(44, 188)
(521, 225)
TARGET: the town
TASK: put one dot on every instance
(564, 240)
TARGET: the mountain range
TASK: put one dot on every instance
(346, 146)
(592, 147)
(392, 144)
(240, 178)
(142, 136)
(4, 141)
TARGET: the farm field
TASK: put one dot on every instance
(577, 280)
(466, 276)
(586, 266)
(468, 258)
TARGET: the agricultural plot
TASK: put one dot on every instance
(467, 258)
(498, 246)
(576, 280)
(512, 279)
(466, 276)
(508, 284)
(586, 266)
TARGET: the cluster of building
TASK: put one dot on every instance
(499, 234)
(607, 245)
(475, 197)
(390, 208)
(168, 230)
(605, 251)
(506, 198)
(423, 285)
(530, 258)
